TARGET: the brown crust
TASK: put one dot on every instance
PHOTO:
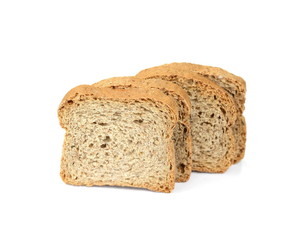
(159, 84)
(211, 71)
(242, 139)
(155, 84)
(209, 87)
(84, 91)
(164, 189)
(123, 94)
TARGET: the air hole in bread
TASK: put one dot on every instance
(182, 168)
(223, 111)
(185, 129)
(107, 139)
(138, 121)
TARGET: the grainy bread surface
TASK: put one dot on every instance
(182, 134)
(212, 117)
(235, 86)
(118, 137)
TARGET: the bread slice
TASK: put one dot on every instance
(182, 134)
(119, 137)
(212, 115)
(235, 86)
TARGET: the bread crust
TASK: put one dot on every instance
(158, 83)
(208, 88)
(107, 93)
(242, 139)
(215, 72)
(125, 82)
(83, 92)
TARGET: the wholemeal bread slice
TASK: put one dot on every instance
(212, 115)
(235, 86)
(119, 137)
(182, 134)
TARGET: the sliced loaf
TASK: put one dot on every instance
(235, 86)
(182, 134)
(118, 137)
(212, 116)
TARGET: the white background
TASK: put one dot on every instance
(49, 47)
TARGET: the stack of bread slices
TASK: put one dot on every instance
(153, 129)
